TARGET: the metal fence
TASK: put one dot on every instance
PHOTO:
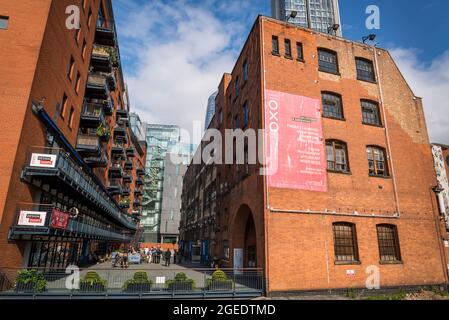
(127, 283)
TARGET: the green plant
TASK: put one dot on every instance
(30, 280)
(140, 279)
(125, 201)
(103, 131)
(401, 295)
(93, 279)
(219, 281)
(181, 282)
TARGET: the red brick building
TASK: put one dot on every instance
(375, 204)
(71, 169)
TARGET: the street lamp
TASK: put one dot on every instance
(334, 28)
(370, 37)
(293, 15)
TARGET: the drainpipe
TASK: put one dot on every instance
(264, 178)
(384, 113)
(439, 192)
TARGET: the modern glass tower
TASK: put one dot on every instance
(319, 15)
(210, 109)
(161, 139)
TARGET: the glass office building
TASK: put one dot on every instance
(210, 110)
(319, 15)
(161, 139)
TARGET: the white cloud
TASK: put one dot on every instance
(180, 52)
(431, 82)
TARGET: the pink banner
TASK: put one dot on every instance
(295, 153)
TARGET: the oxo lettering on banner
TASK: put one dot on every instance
(295, 153)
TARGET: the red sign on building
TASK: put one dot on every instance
(295, 153)
(59, 219)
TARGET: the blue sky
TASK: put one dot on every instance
(174, 52)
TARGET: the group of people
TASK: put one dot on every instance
(121, 259)
(154, 255)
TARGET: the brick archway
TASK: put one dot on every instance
(244, 236)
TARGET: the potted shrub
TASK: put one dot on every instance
(181, 283)
(103, 132)
(92, 282)
(219, 282)
(139, 283)
(30, 281)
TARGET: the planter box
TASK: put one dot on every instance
(85, 287)
(26, 288)
(138, 287)
(226, 285)
(180, 286)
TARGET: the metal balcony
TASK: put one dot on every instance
(137, 204)
(101, 59)
(118, 148)
(140, 171)
(120, 129)
(129, 165)
(56, 166)
(115, 187)
(92, 115)
(116, 170)
(97, 86)
(88, 145)
(37, 220)
(138, 192)
(131, 152)
(127, 178)
(98, 162)
(105, 32)
(140, 181)
(112, 82)
(126, 191)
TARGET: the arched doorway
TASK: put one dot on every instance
(244, 240)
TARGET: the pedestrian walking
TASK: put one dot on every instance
(167, 258)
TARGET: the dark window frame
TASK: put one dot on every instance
(275, 46)
(327, 66)
(389, 244)
(337, 166)
(288, 49)
(71, 68)
(375, 120)
(365, 75)
(327, 113)
(375, 165)
(245, 70)
(346, 249)
(6, 24)
(245, 114)
(299, 51)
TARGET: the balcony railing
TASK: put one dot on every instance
(115, 186)
(98, 162)
(48, 220)
(161, 284)
(129, 165)
(127, 178)
(120, 129)
(105, 32)
(101, 59)
(88, 144)
(45, 163)
(97, 86)
(92, 115)
(140, 171)
(116, 170)
(131, 152)
(126, 191)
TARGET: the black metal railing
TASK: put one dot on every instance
(46, 219)
(157, 283)
(45, 162)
